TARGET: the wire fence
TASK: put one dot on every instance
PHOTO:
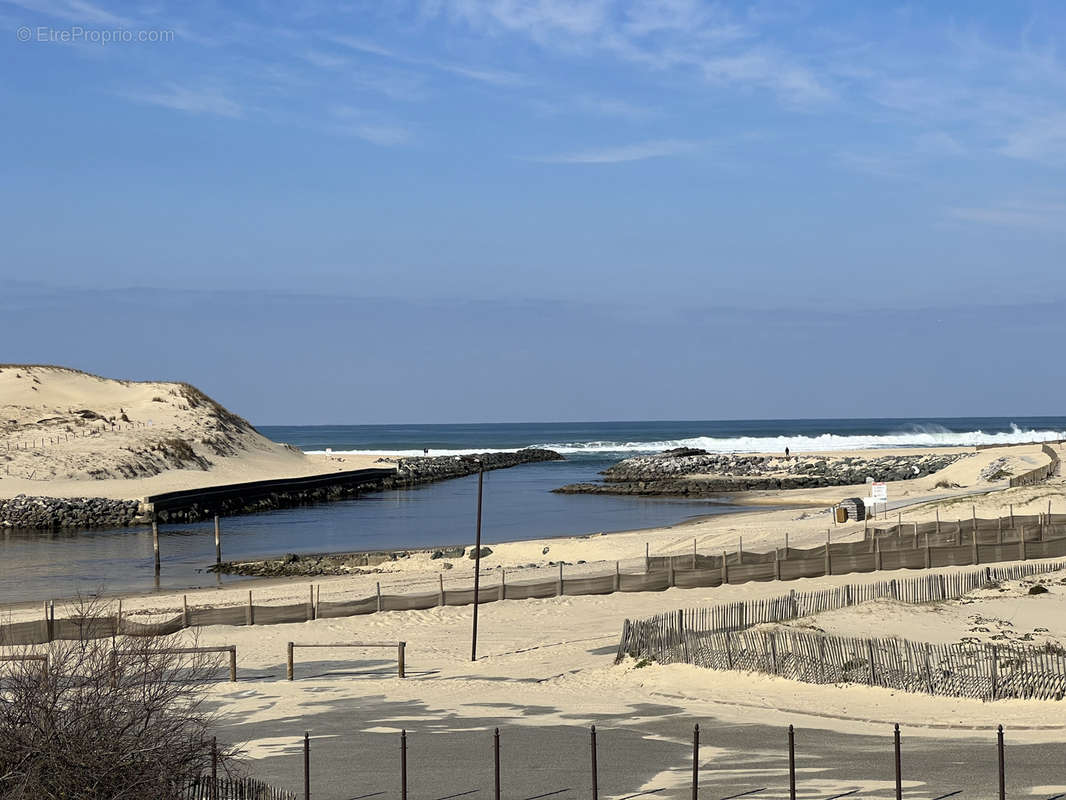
(208, 788)
(721, 637)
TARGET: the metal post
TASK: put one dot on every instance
(496, 763)
(155, 544)
(403, 764)
(218, 542)
(595, 777)
(214, 768)
(400, 661)
(791, 763)
(307, 765)
(1002, 776)
(288, 663)
(477, 558)
(695, 762)
(899, 772)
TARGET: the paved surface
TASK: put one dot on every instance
(642, 752)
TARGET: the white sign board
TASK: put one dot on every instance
(879, 492)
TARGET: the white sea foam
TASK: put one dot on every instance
(931, 437)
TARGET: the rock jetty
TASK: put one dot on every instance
(53, 513)
(692, 472)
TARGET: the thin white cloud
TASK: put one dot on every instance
(1050, 217)
(354, 122)
(615, 155)
(74, 11)
(192, 101)
(495, 77)
(1040, 138)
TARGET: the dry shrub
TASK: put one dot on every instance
(121, 718)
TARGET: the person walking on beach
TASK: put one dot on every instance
(786, 452)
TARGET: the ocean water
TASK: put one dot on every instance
(518, 502)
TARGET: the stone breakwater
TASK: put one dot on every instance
(698, 473)
(414, 471)
(52, 513)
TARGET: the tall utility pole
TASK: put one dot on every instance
(477, 556)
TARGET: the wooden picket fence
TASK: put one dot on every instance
(234, 789)
(720, 637)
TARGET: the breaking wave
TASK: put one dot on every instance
(925, 437)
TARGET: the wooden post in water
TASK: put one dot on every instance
(218, 542)
(155, 544)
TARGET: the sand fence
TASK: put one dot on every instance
(722, 637)
(968, 542)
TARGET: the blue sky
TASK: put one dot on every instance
(549, 210)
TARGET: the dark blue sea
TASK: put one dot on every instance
(518, 502)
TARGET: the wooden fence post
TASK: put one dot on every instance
(877, 554)
(311, 603)
(777, 564)
(725, 568)
(440, 597)
(400, 662)
(155, 544)
(249, 616)
(378, 594)
(647, 558)
(503, 585)
(233, 663)
(828, 558)
(288, 663)
(559, 582)
(617, 578)
(185, 611)
(670, 571)
(975, 551)
(694, 554)
(928, 552)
